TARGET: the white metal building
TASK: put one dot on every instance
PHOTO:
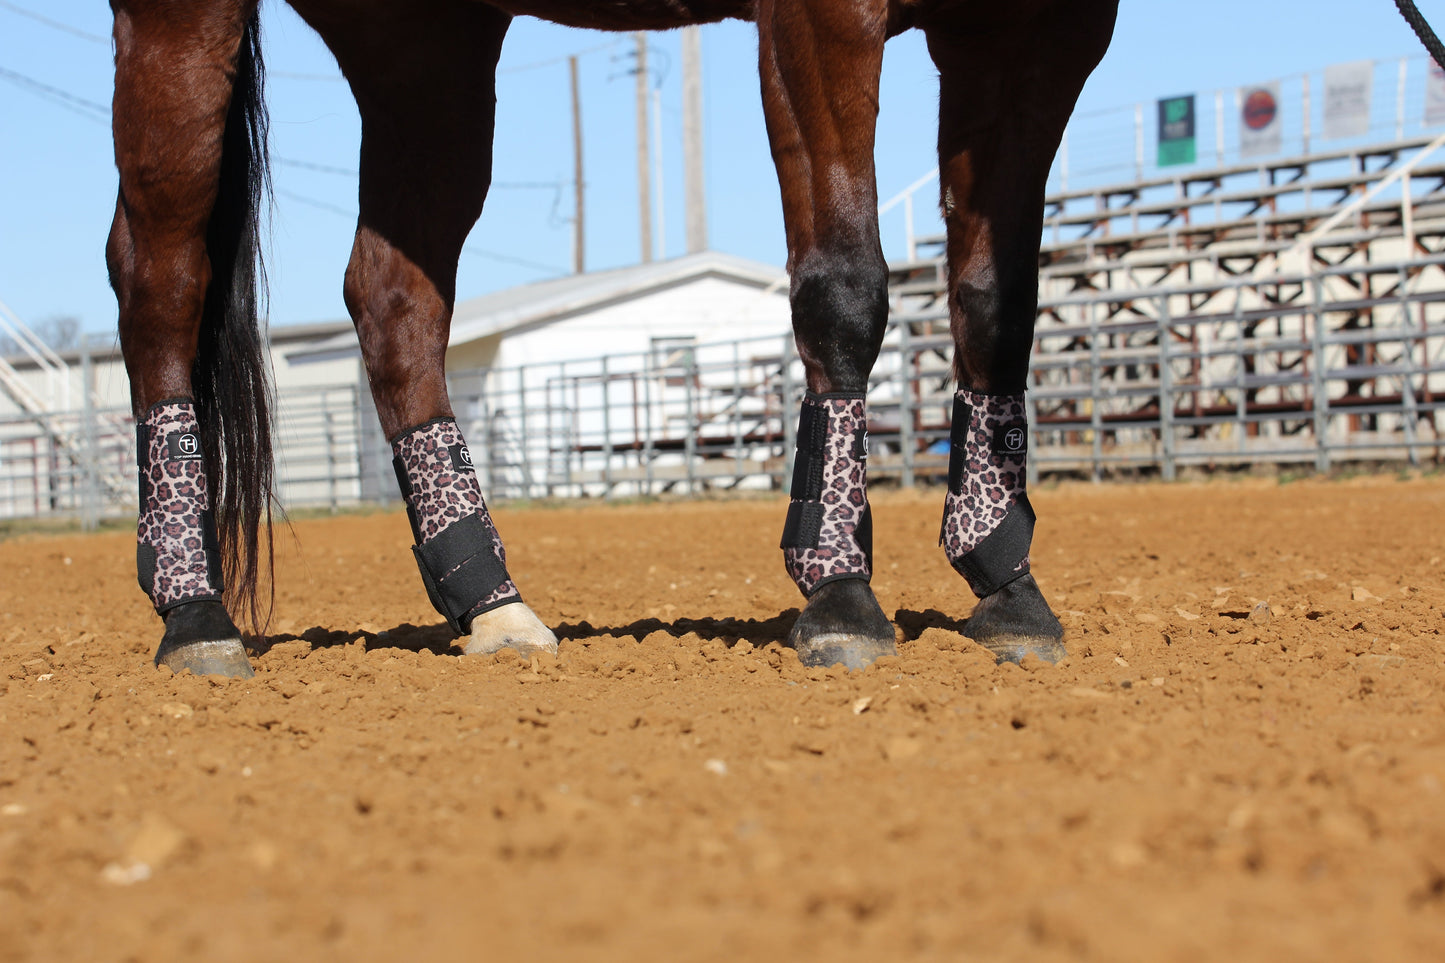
(698, 298)
(329, 448)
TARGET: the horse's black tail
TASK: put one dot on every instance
(230, 377)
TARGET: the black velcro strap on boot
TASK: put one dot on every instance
(403, 482)
(145, 568)
(460, 567)
(864, 534)
(145, 554)
(957, 444)
(211, 542)
(994, 562)
(804, 523)
(803, 526)
(142, 445)
(808, 460)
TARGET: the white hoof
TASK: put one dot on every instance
(225, 657)
(511, 626)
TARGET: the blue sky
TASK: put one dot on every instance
(57, 178)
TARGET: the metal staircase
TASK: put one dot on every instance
(70, 435)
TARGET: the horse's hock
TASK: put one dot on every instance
(1194, 780)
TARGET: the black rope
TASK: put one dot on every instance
(1422, 30)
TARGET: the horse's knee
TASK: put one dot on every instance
(847, 290)
(402, 321)
(840, 310)
(160, 293)
(994, 331)
(385, 281)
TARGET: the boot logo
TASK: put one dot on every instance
(183, 446)
(1011, 438)
(461, 457)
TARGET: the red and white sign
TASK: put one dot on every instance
(1259, 120)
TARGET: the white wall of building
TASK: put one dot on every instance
(707, 309)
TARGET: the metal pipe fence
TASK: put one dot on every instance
(1339, 365)
(70, 464)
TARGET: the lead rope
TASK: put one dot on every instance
(1422, 30)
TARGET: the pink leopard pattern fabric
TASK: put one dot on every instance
(176, 495)
(992, 481)
(442, 494)
(844, 498)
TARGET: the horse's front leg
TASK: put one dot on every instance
(820, 63)
(426, 157)
(1006, 91)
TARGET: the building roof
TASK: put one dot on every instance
(545, 302)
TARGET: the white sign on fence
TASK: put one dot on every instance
(1348, 88)
(1434, 96)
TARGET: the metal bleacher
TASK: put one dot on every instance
(1287, 311)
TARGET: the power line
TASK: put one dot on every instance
(553, 61)
(100, 114)
(349, 172)
(294, 75)
(312, 166)
(55, 24)
(548, 269)
(96, 112)
(316, 203)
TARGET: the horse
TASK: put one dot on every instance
(184, 262)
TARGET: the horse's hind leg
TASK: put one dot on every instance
(174, 76)
(1006, 91)
(423, 74)
(820, 63)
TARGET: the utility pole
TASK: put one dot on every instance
(644, 175)
(659, 168)
(579, 232)
(695, 192)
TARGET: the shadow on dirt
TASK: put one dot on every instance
(439, 640)
(915, 624)
(436, 639)
(731, 631)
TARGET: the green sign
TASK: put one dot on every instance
(1176, 130)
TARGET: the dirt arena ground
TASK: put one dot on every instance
(1190, 784)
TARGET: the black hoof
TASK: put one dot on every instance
(1016, 622)
(842, 624)
(200, 636)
